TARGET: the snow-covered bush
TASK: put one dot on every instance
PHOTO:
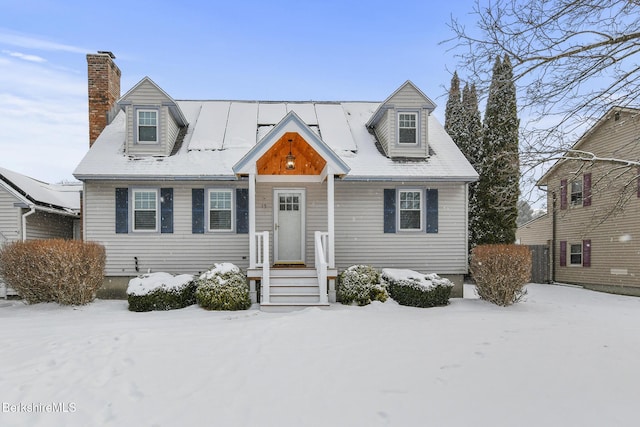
(223, 287)
(500, 272)
(161, 291)
(63, 271)
(408, 287)
(360, 284)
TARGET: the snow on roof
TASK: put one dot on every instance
(220, 133)
(58, 196)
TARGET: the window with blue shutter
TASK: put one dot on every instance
(389, 210)
(242, 210)
(122, 210)
(166, 210)
(197, 210)
(432, 210)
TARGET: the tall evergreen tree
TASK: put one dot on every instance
(498, 187)
(454, 113)
(471, 146)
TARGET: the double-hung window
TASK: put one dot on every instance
(576, 192)
(220, 210)
(408, 128)
(410, 209)
(147, 126)
(145, 210)
(575, 254)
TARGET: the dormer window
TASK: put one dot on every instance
(148, 126)
(407, 128)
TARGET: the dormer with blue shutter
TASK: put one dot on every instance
(154, 120)
(400, 123)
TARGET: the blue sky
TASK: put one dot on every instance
(263, 50)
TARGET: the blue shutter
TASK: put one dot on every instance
(166, 210)
(122, 210)
(432, 210)
(197, 210)
(389, 210)
(242, 210)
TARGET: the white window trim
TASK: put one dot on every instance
(399, 209)
(571, 193)
(233, 209)
(137, 130)
(418, 136)
(569, 253)
(133, 208)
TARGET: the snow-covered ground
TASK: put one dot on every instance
(564, 357)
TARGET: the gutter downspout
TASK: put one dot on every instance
(24, 221)
(553, 237)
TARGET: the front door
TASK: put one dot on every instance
(289, 226)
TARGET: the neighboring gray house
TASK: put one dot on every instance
(291, 192)
(31, 209)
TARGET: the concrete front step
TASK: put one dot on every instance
(294, 298)
(287, 307)
(294, 289)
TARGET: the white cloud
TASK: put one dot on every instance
(43, 119)
(24, 56)
(29, 41)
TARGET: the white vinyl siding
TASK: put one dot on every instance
(145, 210)
(220, 210)
(146, 97)
(180, 252)
(360, 237)
(9, 217)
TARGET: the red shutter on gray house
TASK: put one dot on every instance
(586, 189)
(563, 194)
(563, 253)
(586, 253)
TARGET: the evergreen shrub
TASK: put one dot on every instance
(161, 291)
(500, 272)
(68, 272)
(414, 289)
(223, 287)
(360, 284)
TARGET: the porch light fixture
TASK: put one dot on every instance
(291, 159)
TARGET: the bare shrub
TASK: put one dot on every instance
(500, 272)
(65, 271)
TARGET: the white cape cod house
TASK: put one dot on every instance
(291, 192)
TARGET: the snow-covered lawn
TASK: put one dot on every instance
(564, 357)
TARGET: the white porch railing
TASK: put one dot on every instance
(262, 261)
(321, 245)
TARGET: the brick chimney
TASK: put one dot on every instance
(104, 91)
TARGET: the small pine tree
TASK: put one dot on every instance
(498, 187)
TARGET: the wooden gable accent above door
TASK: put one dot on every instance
(308, 161)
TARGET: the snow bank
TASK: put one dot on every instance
(148, 283)
(427, 281)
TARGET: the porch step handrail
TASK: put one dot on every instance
(262, 261)
(321, 247)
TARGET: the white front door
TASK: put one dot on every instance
(289, 226)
